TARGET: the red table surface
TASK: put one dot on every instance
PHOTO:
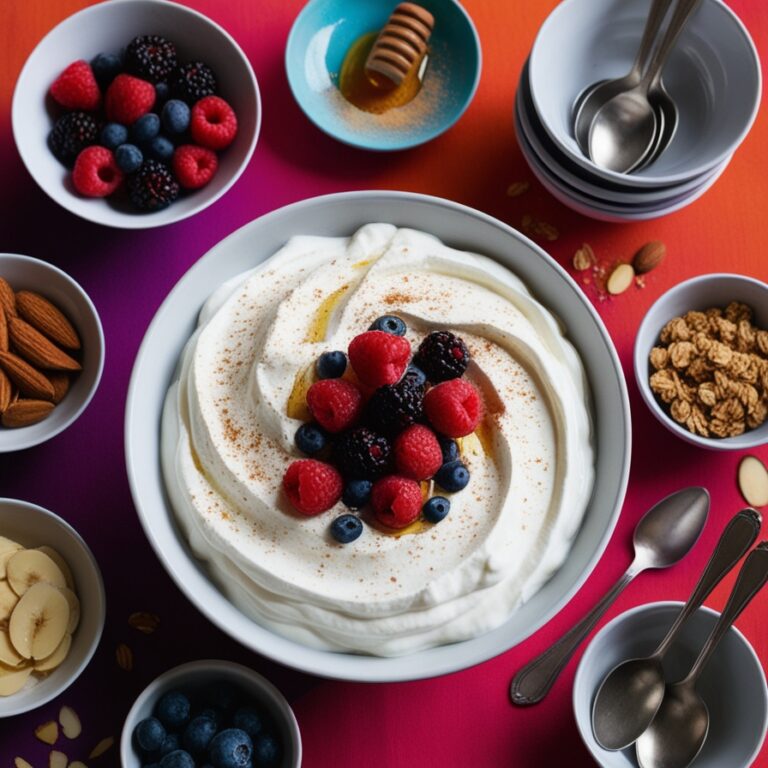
(462, 719)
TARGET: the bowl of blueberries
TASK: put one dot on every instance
(210, 714)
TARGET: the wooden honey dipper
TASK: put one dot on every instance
(401, 45)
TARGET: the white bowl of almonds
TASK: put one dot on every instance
(51, 351)
(52, 606)
(701, 361)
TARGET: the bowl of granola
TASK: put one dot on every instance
(701, 361)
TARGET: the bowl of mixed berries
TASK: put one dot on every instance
(136, 113)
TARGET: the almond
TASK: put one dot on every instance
(6, 391)
(649, 257)
(517, 188)
(47, 318)
(145, 622)
(124, 657)
(620, 279)
(23, 413)
(584, 258)
(28, 379)
(101, 747)
(7, 298)
(60, 383)
(3, 331)
(34, 347)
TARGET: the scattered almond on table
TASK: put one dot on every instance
(57, 760)
(649, 257)
(753, 481)
(620, 279)
(70, 723)
(48, 732)
(144, 622)
(517, 188)
(124, 657)
(103, 746)
(584, 258)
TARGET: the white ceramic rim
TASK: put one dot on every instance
(138, 220)
(641, 372)
(102, 607)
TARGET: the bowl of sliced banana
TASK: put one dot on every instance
(52, 606)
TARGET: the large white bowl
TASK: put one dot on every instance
(337, 215)
(713, 74)
(109, 27)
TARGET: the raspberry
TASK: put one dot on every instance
(128, 98)
(151, 57)
(312, 486)
(396, 501)
(335, 404)
(379, 358)
(454, 407)
(213, 124)
(76, 87)
(194, 166)
(417, 453)
(71, 134)
(96, 173)
(442, 356)
(394, 407)
(362, 454)
(193, 81)
(152, 187)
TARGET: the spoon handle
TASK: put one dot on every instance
(532, 683)
(739, 535)
(656, 15)
(680, 15)
(752, 578)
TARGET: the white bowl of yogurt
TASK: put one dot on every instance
(386, 609)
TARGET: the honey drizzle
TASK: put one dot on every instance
(319, 325)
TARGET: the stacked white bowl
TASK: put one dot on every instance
(713, 75)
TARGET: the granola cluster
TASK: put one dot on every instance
(711, 370)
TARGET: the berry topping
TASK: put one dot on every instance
(172, 710)
(179, 758)
(442, 356)
(194, 166)
(346, 528)
(454, 407)
(266, 751)
(149, 734)
(231, 748)
(162, 91)
(394, 407)
(357, 493)
(361, 453)
(453, 476)
(96, 173)
(145, 128)
(76, 87)
(213, 123)
(331, 365)
(71, 134)
(417, 453)
(416, 375)
(396, 501)
(334, 403)
(198, 734)
(161, 149)
(175, 116)
(436, 509)
(151, 57)
(106, 67)
(152, 187)
(113, 135)
(379, 358)
(192, 82)
(388, 324)
(128, 98)
(312, 486)
(310, 439)
(128, 158)
(449, 448)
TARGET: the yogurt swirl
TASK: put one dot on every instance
(228, 436)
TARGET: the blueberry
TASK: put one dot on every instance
(310, 439)
(172, 710)
(198, 734)
(452, 476)
(266, 751)
(449, 448)
(231, 748)
(128, 158)
(113, 135)
(145, 128)
(388, 324)
(249, 720)
(222, 696)
(177, 759)
(357, 493)
(149, 734)
(171, 743)
(212, 714)
(331, 365)
(106, 67)
(175, 116)
(160, 148)
(436, 509)
(416, 376)
(162, 91)
(346, 528)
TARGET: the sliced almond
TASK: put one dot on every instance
(60, 383)
(20, 762)
(517, 188)
(25, 413)
(77, 764)
(47, 318)
(124, 657)
(48, 732)
(144, 622)
(13, 681)
(30, 566)
(7, 298)
(49, 663)
(103, 746)
(57, 759)
(584, 258)
(753, 481)
(39, 621)
(37, 349)
(29, 380)
(620, 279)
(70, 722)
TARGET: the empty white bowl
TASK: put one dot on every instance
(713, 74)
(33, 526)
(26, 273)
(698, 293)
(109, 27)
(732, 684)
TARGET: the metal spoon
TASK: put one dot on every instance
(594, 96)
(624, 129)
(677, 733)
(664, 535)
(632, 692)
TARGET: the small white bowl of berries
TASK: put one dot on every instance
(136, 113)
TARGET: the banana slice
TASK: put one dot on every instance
(31, 566)
(39, 621)
(8, 600)
(13, 681)
(74, 610)
(50, 663)
(7, 549)
(61, 562)
(8, 653)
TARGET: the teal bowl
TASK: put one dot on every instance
(319, 40)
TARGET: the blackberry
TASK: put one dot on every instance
(362, 454)
(192, 82)
(71, 134)
(442, 355)
(152, 187)
(151, 57)
(394, 407)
